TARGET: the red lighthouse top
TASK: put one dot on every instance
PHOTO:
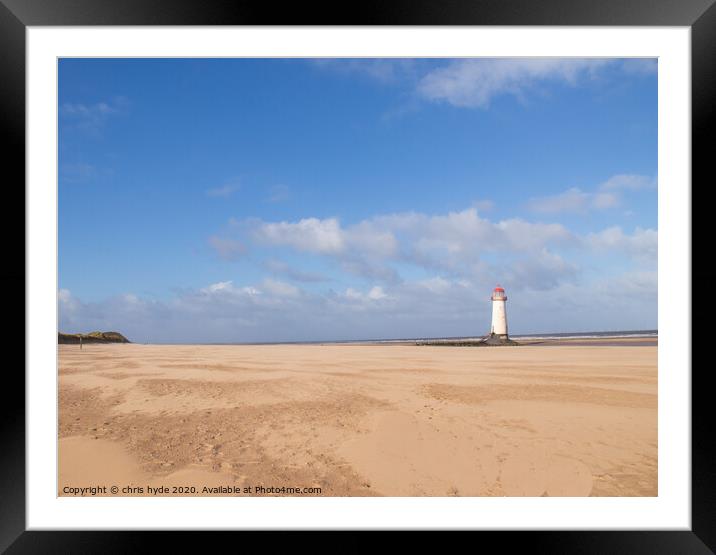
(499, 294)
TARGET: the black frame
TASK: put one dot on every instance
(699, 15)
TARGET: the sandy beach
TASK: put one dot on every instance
(358, 420)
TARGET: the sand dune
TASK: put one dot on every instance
(358, 420)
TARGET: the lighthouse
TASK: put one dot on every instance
(499, 314)
(498, 331)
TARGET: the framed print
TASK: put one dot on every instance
(405, 272)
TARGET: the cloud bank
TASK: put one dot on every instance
(403, 274)
(607, 195)
(474, 83)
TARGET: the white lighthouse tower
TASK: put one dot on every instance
(499, 314)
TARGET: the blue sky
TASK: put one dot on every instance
(290, 199)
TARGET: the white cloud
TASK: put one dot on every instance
(228, 249)
(328, 237)
(91, 117)
(541, 271)
(466, 233)
(228, 288)
(224, 191)
(88, 111)
(370, 269)
(607, 195)
(279, 288)
(573, 200)
(67, 303)
(630, 182)
(278, 193)
(600, 201)
(353, 294)
(642, 244)
(632, 284)
(280, 267)
(484, 205)
(516, 234)
(131, 299)
(308, 235)
(473, 83)
(453, 241)
(77, 173)
(435, 285)
(376, 293)
(368, 239)
(270, 287)
(220, 286)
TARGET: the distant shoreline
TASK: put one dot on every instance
(102, 337)
(594, 342)
(532, 342)
(634, 338)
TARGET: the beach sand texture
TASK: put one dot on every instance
(362, 420)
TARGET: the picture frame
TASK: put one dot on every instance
(700, 16)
